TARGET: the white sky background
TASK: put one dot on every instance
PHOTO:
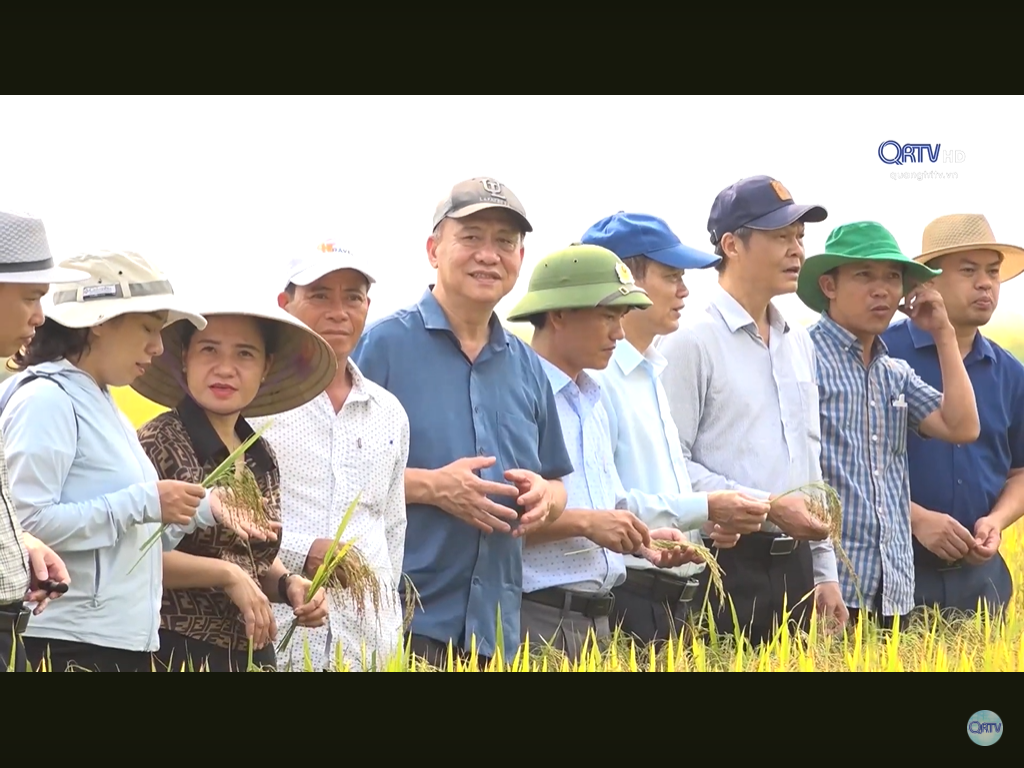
(224, 188)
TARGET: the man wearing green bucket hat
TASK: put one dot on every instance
(869, 400)
(576, 301)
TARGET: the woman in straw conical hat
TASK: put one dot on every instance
(218, 588)
(80, 480)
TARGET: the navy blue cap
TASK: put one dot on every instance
(759, 202)
(638, 234)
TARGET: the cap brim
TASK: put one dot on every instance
(789, 214)
(809, 291)
(52, 275)
(304, 365)
(312, 274)
(469, 210)
(579, 297)
(74, 314)
(683, 257)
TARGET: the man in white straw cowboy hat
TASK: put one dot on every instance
(79, 478)
(26, 271)
(964, 496)
(219, 591)
(351, 441)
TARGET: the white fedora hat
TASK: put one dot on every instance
(25, 253)
(118, 283)
(304, 363)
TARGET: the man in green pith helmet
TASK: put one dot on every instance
(576, 301)
(869, 400)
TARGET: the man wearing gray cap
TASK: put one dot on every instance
(30, 572)
(486, 451)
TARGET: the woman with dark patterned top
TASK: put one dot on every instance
(218, 588)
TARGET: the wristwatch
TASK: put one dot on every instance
(282, 587)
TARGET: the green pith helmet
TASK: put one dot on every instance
(579, 277)
(850, 243)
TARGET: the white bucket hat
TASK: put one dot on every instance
(118, 283)
(304, 363)
(309, 266)
(25, 256)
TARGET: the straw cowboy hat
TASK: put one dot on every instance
(25, 256)
(579, 277)
(118, 283)
(303, 365)
(960, 232)
(860, 241)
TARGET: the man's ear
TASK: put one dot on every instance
(827, 284)
(283, 300)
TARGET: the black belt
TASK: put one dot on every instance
(659, 587)
(775, 544)
(14, 616)
(595, 607)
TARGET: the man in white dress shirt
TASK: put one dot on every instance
(576, 301)
(353, 439)
(655, 605)
(742, 384)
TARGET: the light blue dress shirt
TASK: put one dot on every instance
(592, 485)
(646, 449)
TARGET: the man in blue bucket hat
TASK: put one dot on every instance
(653, 604)
(742, 383)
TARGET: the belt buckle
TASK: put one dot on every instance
(783, 545)
(689, 590)
(19, 621)
(954, 566)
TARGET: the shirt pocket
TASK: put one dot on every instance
(897, 420)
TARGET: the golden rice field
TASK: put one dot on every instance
(934, 645)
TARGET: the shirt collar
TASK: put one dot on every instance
(921, 338)
(206, 443)
(434, 319)
(843, 338)
(736, 317)
(628, 357)
(586, 384)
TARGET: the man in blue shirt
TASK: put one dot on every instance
(965, 495)
(486, 451)
(870, 402)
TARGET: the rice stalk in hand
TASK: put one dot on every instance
(324, 576)
(223, 474)
(824, 504)
(705, 555)
(357, 581)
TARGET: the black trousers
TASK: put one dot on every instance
(67, 656)
(648, 606)
(177, 650)
(757, 582)
(13, 620)
(435, 653)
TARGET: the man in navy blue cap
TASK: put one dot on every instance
(742, 383)
(653, 604)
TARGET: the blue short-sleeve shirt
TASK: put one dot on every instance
(499, 405)
(965, 480)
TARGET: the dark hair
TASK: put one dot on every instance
(637, 265)
(268, 332)
(52, 341)
(743, 235)
(538, 321)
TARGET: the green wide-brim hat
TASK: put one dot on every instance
(579, 277)
(860, 241)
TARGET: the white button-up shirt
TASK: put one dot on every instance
(747, 412)
(327, 458)
(646, 450)
(593, 485)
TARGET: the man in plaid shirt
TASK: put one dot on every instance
(30, 572)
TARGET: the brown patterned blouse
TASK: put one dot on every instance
(183, 445)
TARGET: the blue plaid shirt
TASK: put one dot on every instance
(865, 415)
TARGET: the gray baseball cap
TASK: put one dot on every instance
(474, 195)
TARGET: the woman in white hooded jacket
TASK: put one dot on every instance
(80, 480)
